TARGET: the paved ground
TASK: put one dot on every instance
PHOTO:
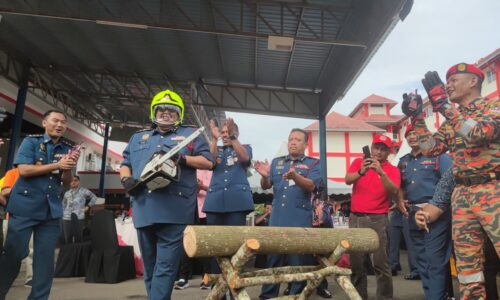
(76, 288)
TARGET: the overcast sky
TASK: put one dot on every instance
(435, 35)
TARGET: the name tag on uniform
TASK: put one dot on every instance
(230, 161)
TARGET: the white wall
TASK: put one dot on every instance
(373, 110)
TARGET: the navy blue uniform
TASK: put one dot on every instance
(229, 196)
(160, 216)
(396, 229)
(291, 208)
(35, 208)
(420, 176)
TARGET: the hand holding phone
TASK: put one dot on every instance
(366, 152)
(74, 153)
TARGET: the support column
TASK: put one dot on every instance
(104, 160)
(322, 149)
(15, 138)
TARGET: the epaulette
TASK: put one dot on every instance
(142, 130)
(67, 142)
(315, 158)
(280, 157)
(405, 156)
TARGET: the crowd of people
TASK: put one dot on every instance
(442, 203)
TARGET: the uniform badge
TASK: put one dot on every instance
(145, 136)
(42, 147)
(461, 67)
(427, 162)
(280, 164)
(459, 140)
(178, 138)
(301, 166)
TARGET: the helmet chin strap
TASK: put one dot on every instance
(166, 126)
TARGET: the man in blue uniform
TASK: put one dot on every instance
(293, 178)
(229, 197)
(420, 175)
(161, 215)
(44, 161)
(398, 227)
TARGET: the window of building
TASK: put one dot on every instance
(490, 76)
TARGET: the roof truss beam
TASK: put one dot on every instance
(37, 9)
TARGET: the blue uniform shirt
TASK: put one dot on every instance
(420, 174)
(175, 203)
(292, 205)
(229, 190)
(38, 197)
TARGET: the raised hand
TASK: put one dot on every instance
(262, 167)
(291, 172)
(412, 104)
(435, 89)
(231, 129)
(214, 129)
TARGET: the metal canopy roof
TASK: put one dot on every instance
(105, 59)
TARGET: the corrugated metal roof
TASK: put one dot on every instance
(127, 50)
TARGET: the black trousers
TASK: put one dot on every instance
(73, 231)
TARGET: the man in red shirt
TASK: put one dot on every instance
(375, 182)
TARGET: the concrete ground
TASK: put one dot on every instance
(76, 288)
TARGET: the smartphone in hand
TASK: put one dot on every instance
(366, 152)
(76, 148)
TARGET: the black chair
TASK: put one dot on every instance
(109, 262)
(73, 258)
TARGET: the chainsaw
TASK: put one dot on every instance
(163, 168)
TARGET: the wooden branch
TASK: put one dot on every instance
(219, 290)
(346, 284)
(207, 241)
(342, 247)
(273, 279)
(245, 253)
(231, 275)
(210, 278)
(280, 270)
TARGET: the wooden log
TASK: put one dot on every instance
(206, 241)
(245, 253)
(219, 290)
(208, 279)
(272, 279)
(342, 247)
(280, 270)
(346, 284)
(231, 274)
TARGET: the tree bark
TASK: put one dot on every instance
(206, 241)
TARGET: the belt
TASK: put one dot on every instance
(358, 214)
(478, 179)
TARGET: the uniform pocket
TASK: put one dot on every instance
(140, 147)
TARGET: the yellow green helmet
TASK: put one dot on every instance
(167, 97)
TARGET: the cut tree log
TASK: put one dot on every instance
(206, 241)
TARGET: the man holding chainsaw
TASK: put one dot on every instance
(163, 196)
(471, 133)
